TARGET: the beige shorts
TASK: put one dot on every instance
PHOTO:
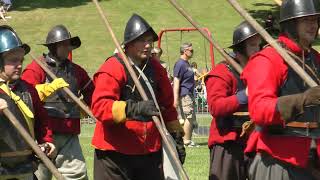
(187, 105)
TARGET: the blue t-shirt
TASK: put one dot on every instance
(7, 2)
(183, 71)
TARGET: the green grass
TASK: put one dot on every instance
(85, 140)
(32, 19)
(196, 164)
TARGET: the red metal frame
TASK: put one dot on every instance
(189, 29)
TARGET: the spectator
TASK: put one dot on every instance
(156, 52)
(183, 88)
(197, 81)
(269, 22)
(2, 13)
(194, 66)
(7, 4)
(270, 25)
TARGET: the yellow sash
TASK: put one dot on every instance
(27, 113)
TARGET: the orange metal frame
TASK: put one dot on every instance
(188, 29)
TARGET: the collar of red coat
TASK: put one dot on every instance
(291, 44)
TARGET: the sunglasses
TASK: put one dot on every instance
(190, 50)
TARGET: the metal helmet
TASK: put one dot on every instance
(9, 40)
(291, 9)
(136, 26)
(242, 32)
(60, 33)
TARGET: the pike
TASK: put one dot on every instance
(65, 89)
(292, 63)
(167, 144)
(231, 61)
(26, 136)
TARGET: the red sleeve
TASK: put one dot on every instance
(318, 56)
(85, 84)
(108, 82)
(33, 74)
(264, 78)
(221, 87)
(165, 93)
(42, 126)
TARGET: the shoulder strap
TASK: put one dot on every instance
(27, 113)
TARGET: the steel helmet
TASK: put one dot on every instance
(9, 40)
(137, 26)
(291, 9)
(60, 33)
(242, 32)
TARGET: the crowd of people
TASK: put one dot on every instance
(279, 111)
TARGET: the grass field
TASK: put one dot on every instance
(32, 19)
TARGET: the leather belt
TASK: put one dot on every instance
(305, 125)
(16, 153)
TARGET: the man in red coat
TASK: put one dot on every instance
(284, 109)
(63, 111)
(126, 140)
(22, 100)
(227, 102)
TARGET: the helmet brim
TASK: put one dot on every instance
(75, 42)
(233, 45)
(26, 48)
(299, 16)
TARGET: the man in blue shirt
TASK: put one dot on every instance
(183, 88)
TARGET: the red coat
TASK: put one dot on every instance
(221, 87)
(264, 77)
(34, 75)
(130, 137)
(42, 126)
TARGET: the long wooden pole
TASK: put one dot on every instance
(26, 136)
(143, 94)
(292, 63)
(232, 62)
(66, 89)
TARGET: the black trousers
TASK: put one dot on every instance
(228, 162)
(116, 166)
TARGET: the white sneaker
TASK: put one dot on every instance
(191, 144)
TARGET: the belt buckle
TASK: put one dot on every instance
(307, 128)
